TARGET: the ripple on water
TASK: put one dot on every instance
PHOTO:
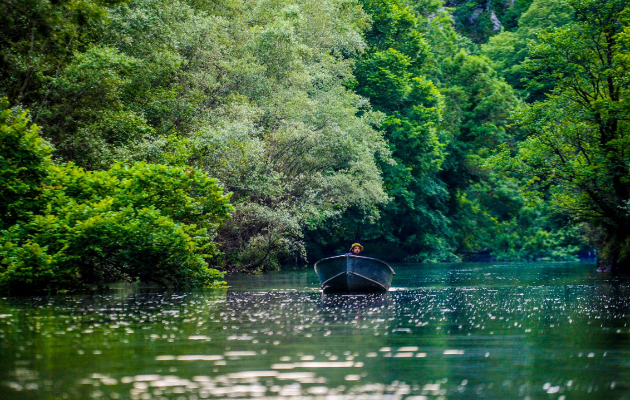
(493, 336)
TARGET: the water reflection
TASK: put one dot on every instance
(452, 331)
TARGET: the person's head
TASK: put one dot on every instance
(356, 248)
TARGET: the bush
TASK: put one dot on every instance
(23, 163)
(150, 223)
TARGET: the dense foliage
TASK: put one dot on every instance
(577, 142)
(64, 227)
(252, 93)
(392, 74)
(446, 204)
(329, 122)
(509, 48)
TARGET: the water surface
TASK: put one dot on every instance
(547, 330)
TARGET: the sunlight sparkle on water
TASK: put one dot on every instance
(534, 331)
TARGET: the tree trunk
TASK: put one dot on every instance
(613, 253)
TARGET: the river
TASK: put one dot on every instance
(451, 331)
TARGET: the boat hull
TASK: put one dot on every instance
(357, 274)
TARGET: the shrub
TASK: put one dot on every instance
(141, 222)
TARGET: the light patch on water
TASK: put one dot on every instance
(240, 353)
(240, 337)
(105, 379)
(252, 374)
(315, 364)
(297, 376)
(551, 389)
(431, 387)
(282, 366)
(318, 390)
(248, 384)
(198, 337)
(199, 357)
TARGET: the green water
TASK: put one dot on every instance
(492, 331)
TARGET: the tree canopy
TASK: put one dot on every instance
(64, 227)
(577, 141)
(271, 131)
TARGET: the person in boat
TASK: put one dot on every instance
(355, 249)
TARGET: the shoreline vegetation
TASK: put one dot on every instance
(175, 141)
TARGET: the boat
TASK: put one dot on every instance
(350, 273)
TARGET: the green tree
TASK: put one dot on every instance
(577, 141)
(293, 143)
(38, 38)
(23, 165)
(489, 217)
(479, 103)
(252, 93)
(145, 222)
(509, 49)
(392, 74)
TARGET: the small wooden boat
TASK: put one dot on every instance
(350, 273)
